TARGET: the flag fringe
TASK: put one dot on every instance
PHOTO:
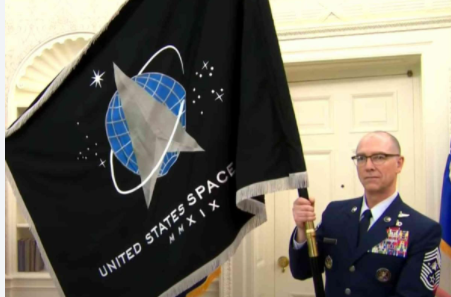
(296, 180)
(59, 79)
(446, 248)
(199, 291)
(35, 234)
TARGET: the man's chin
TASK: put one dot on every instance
(372, 188)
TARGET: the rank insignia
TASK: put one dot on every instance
(395, 244)
(383, 275)
(328, 262)
(430, 270)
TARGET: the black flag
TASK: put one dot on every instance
(144, 163)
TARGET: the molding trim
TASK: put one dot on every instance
(321, 31)
(225, 283)
(40, 66)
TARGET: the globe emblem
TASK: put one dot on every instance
(165, 90)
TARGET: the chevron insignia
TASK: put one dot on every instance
(430, 271)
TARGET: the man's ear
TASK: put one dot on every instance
(400, 163)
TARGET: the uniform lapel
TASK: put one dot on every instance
(378, 232)
(352, 222)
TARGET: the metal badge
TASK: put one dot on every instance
(328, 262)
(387, 219)
(403, 215)
(354, 209)
(383, 275)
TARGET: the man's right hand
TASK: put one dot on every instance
(303, 211)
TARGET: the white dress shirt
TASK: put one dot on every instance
(376, 213)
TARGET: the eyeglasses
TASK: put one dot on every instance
(376, 159)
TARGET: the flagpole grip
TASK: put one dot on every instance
(311, 239)
(315, 264)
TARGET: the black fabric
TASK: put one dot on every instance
(364, 225)
(249, 136)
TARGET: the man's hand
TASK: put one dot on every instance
(303, 211)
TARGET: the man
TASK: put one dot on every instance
(374, 245)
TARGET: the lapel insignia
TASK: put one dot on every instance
(398, 223)
(430, 270)
(403, 215)
(383, 275)
(354, 209)
(395, 244)
(387, 219)
(328, 262)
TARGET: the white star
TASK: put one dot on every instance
(211, 74)
(219, 97)
(102, 163)
(97, 78)
(205, 65)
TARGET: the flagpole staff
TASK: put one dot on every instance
(315, 264)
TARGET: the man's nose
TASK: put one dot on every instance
(369, 164)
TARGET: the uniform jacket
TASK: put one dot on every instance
(399, 256)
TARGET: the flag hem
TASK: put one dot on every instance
(35, 234)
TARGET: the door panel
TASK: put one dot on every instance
(332, 116)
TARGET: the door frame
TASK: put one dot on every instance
(432, 97)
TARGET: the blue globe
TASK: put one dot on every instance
(165, 90)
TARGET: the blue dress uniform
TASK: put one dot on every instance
(398, 256)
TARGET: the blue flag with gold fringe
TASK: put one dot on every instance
(445, 212)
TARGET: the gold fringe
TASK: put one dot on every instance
(204, 287)
(445, 248)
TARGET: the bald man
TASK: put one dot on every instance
(375, 245)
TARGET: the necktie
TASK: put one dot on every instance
(364, 224)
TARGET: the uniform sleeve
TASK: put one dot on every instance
(420, 275)
(299, 260)
(297, 245)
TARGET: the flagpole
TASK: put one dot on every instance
(315, 264)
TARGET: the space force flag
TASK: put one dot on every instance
(144, 163)
(445, 212)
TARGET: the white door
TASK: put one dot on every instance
(332, 116)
